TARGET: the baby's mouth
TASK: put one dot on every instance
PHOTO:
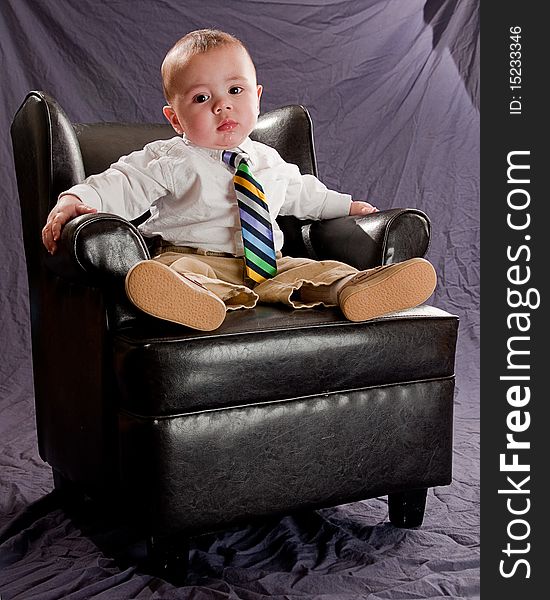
(227, 125)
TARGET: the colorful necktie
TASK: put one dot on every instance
(257, 232)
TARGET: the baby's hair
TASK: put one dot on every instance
(191, 44)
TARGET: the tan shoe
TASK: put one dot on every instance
(387, 289)
(161, 292)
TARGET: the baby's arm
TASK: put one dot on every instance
(308, 197)
(358, 208)
(127, 188)
(68, 207)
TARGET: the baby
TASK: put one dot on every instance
(218, 246)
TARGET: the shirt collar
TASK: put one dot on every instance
(245, 147)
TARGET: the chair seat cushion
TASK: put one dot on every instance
(273, 353)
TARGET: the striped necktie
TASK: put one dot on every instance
(257, 232)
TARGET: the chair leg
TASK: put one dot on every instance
(168, 558)
(406, 509)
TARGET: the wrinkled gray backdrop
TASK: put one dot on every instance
(392, 86)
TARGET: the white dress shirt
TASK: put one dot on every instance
(190, 193)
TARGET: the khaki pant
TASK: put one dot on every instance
(224, 276)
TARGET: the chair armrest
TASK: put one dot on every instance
(104, 246)
(97, 248)
(380, 238)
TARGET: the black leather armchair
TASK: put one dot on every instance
(164, 419)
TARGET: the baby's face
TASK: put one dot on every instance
(218, 101)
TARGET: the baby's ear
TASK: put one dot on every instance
(170, 114)
(259, 90)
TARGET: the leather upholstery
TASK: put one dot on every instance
(386, 237)
(153, 380)
(166, 417)
(206, 468)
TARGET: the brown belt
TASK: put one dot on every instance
(164, 247)
(159, 246)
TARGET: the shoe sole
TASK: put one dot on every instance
(401, 286)
(161, 292)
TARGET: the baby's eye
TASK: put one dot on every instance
(200, 98)
(235, 89)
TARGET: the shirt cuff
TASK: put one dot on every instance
(336, 205)
(86, 194)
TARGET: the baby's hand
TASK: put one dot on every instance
(359, 208)
(68, 207)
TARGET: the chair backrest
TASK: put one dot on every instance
(51, 154)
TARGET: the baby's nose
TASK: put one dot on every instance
(222, 104)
